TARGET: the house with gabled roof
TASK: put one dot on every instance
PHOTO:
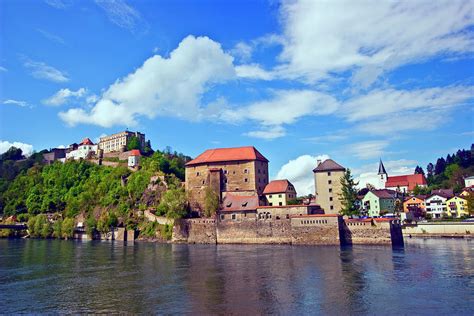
(239, 170)
(379, 202)
(436, 204)
(85, 149)
(279, 192)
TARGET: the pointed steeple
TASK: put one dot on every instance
(381, 168)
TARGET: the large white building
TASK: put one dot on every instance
(469, 182)
(118, 142)
(84, 149)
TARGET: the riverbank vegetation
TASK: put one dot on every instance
(103, 196)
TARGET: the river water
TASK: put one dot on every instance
(432, 277)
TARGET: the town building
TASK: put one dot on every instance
(239, 207)
(134, 158)
(414, 203)
(402, 183)
(467, 191)
(457, 207)
(379, 202)
(84, 150)
(469, 181)
(54, 154)
(279, 192)
(436, 204)
(240, 170)
(328, 187)
(118, 142)
(286, 212)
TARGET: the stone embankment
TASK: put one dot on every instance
(298, 230)
(440, 229)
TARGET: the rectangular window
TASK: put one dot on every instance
(233, 216)
(246, 180)
(330, 199)
(270, 196)
(279, 195)
(330, 190)
(329, 181)
(280, 203)
(246, 171)
(331, 207)
(329, 173)
(197, 174)
(271, 204)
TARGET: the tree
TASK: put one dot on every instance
(67, 230)
(348, 197)
(419, 170)
(211, 202)
(430, 169)
(12, 153)
(174, 203)
(440, 166)
(133, 143)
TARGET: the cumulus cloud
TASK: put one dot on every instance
(243, 51)
(321, 38)
(253, 71)
(124, 15)
(16, 102)
(63, 96)
(26, 148)
(300, 172)
(40, 70)
(171, 86)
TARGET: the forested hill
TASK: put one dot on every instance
(451, 171)
(28, 187)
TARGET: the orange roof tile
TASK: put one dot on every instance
(135, 152)
(228, 154)
(277, 186)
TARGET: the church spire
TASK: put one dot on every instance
(381, 168)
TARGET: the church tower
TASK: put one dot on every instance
(382, 175)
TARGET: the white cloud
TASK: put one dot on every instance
(59, 4)
(368, 149)
(243, 51)
(15, 102)
(41, 70)
(380, 102)
(300, 172)
(369, 38)
(26, 148)
(171, 86)
(123, 15)
(368, 173)
(3, 69)
(253, 71)
(51, 37)
(268, 133)
(63, 96)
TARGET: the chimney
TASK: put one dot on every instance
(319, 162)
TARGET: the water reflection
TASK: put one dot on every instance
(80, 277)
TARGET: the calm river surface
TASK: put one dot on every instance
(429, 277)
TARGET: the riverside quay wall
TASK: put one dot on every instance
(320, 229)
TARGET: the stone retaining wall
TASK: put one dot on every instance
(440, 229)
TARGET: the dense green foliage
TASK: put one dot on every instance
(211, 202)
(105, 196)
(348, 196)
(449, 172)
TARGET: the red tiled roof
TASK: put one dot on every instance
(135, 152)
(228, 154)
(329, 165)
(86, 141)
(233, 202)
(410, 181)
(277, 186)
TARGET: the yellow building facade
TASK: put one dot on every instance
(457, 206)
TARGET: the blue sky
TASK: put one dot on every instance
(354, 81)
